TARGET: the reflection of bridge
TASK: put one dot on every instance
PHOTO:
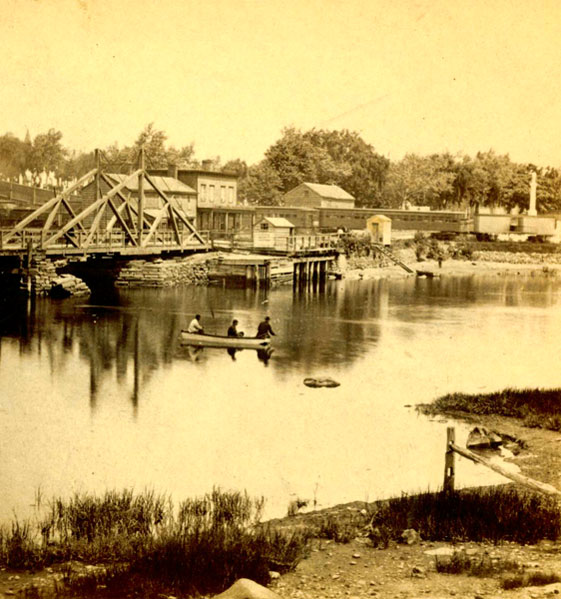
(113, 223)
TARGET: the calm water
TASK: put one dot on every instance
(100, 394)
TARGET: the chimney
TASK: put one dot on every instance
(207, 164)
(172, 170)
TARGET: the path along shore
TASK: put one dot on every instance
(483, 263)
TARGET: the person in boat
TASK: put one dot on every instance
(264, 329)
(233, 329)
(195, 325)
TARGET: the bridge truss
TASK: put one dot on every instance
(114, 222)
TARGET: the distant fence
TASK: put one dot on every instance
(449, 467)
(23, 194)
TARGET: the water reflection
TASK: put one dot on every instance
(128, 404)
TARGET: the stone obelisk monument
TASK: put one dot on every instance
(533, 187)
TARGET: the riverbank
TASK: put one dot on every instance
(410, 571)
(357, 564)
(482, 263)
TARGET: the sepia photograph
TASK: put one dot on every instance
(280, 299)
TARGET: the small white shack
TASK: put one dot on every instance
(380, 229)
(272, 232)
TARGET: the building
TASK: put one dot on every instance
(380, 229)
(214, 188)
(273, 233)
(181, 196)
(316, 195)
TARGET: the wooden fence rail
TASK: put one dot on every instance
(452, 449)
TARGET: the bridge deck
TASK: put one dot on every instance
(111, 242)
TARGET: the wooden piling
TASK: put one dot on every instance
(449, 466)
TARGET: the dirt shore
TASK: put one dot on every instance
(406, 571)
(450, 267)
(358, 569)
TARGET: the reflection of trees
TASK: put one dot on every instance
(324, 329)
(137, 332)
(105, 337)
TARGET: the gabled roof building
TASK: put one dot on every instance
(317, 195)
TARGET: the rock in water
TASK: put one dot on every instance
(247, 589)
(321, 382)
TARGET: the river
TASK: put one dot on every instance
(99, 394)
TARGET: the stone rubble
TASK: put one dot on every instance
(163, 273)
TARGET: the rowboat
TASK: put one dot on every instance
(204, 340)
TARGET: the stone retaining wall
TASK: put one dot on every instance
(163, 273)
(518, 257)
(39, 278)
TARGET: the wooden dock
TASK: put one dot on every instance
(257, 270)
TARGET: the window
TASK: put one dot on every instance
(223, 194)
(264, 226)
(203, 192)
(211, 193)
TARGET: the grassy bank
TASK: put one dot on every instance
(537, 408)
(486, 514)
(147, 546)
(143, 546)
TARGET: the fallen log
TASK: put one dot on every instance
(518, 478)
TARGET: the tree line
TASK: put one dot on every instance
(340, 157)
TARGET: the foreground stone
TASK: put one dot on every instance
(247, 589)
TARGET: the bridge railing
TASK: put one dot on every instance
(100, 240)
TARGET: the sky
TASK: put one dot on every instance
(418, 76)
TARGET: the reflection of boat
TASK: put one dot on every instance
(204, 340)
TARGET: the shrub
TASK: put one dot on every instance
(340, 530)
(205, 547)
(529, 579)
(490, 514)
(480, 565)
(538, 407)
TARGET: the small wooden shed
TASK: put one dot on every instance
(272, 232)
(380, 229)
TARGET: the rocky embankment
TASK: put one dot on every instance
(191, 270)
(482, 262)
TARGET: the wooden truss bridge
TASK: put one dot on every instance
(112, 223)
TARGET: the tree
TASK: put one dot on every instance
(237, 166)
(334, 157)
(425, 181)
(14, 155)
(47, 152)
(153, 142)
(78, 164)
(549, 190)
(182, 158)
(296, 159)
(490, 176)
(357, 167)
(548, 193)
(262, 185)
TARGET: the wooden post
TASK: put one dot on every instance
(97, 176)
(449, 460)
(141, 167)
